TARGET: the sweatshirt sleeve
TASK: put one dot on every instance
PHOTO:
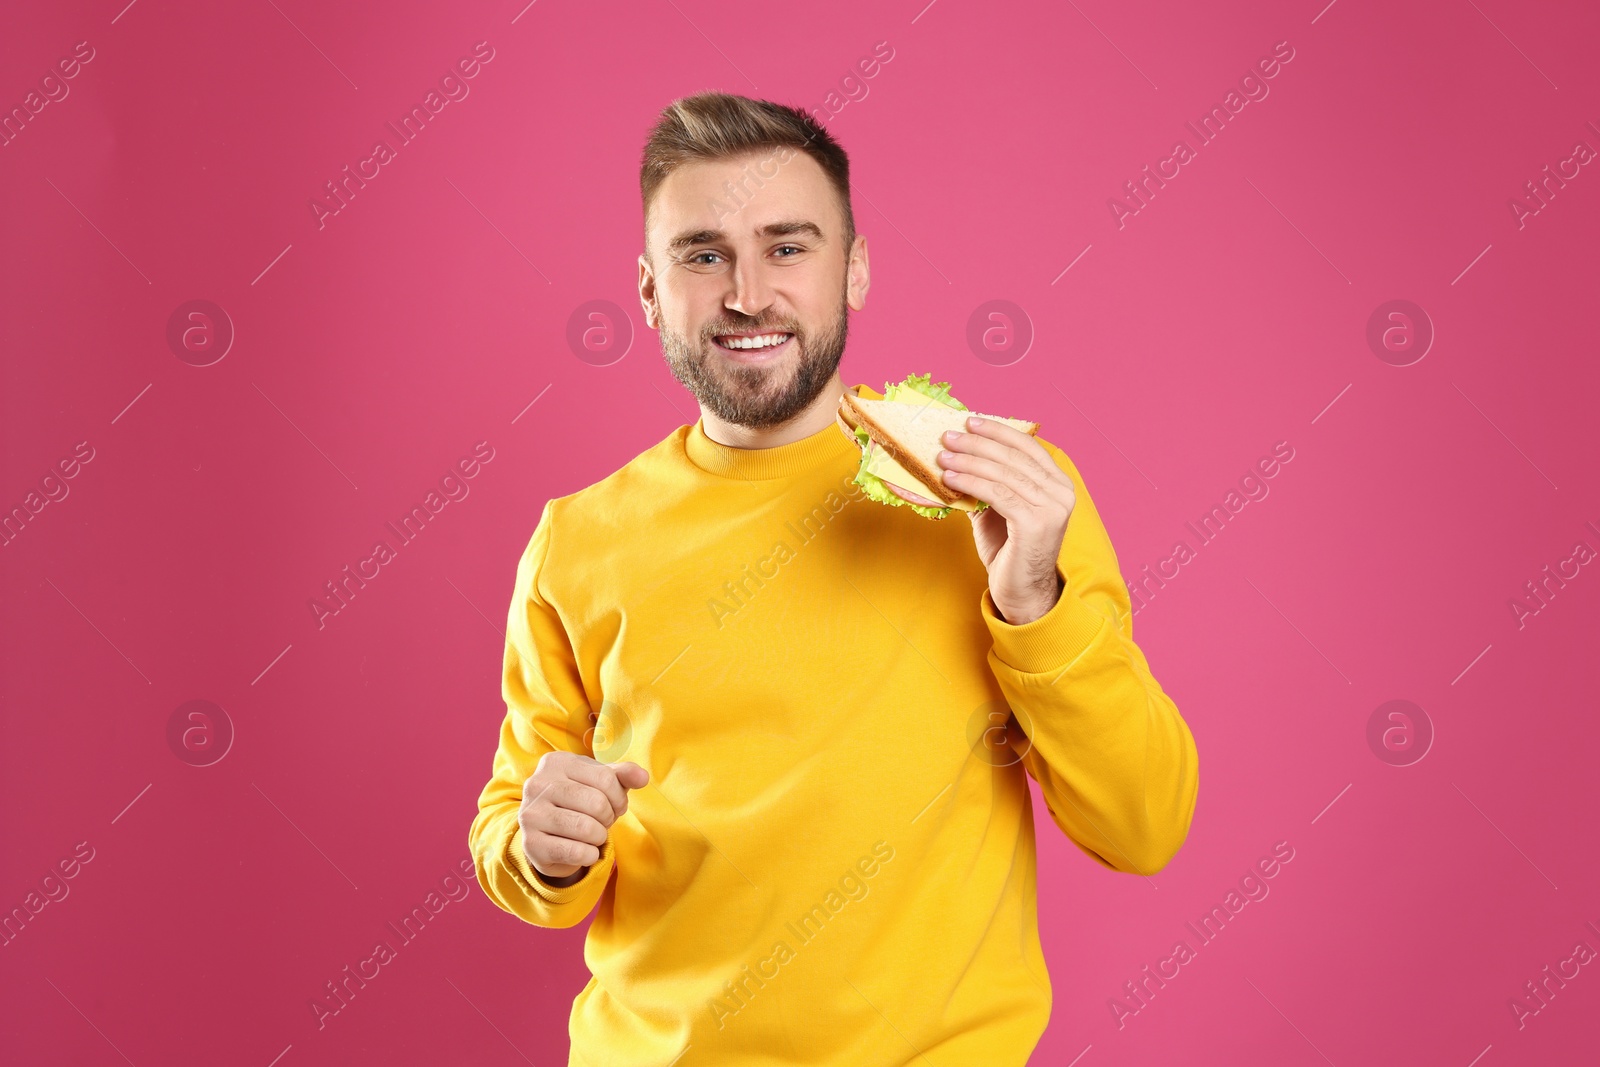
(540, 682)
(1114, 759)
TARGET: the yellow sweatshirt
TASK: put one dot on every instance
(833, 862)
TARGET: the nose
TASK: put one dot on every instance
(751, 294)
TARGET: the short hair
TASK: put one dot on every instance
(716, 126)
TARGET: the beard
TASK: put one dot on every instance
(756, 397)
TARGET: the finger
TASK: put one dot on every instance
(1054, 483)
(998, 495)
(979, 447)
(569, 823)
(603, 777)
(553, 849)
(967, 464)
(1011, 437)
(584, 798)
(630, 775)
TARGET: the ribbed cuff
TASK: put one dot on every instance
(1049, 643)
(554, 894)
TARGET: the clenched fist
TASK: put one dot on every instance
(568, 805)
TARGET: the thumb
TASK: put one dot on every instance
(630, 774)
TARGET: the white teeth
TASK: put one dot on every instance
(765, 340)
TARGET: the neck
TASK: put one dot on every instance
(811, 419)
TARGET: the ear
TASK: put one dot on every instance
(647, 293)
(858, 278)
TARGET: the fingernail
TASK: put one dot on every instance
(952, 436)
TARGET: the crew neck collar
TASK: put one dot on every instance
(758, 464)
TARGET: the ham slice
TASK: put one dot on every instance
(914, 430)
(903, 494)
(906, 494)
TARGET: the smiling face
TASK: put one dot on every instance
(751, 301)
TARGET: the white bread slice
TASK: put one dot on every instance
(844, 426)
(883, 466)
(901, 483)
(912, 436)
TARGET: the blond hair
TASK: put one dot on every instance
(713, 126)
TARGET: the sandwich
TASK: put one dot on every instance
(900, 436)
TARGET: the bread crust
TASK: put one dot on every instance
(851, 415)
(919, 470)
(843, 416)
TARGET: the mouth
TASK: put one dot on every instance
(754, 347)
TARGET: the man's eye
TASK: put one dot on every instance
(696, 257)
(795, 248)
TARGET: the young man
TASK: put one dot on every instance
(819, 849)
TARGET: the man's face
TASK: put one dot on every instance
(718, 278)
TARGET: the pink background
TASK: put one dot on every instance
(373, 353)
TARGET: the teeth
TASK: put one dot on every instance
(765, 340)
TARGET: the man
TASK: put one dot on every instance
(819, 849)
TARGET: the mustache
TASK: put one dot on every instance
(717, 329)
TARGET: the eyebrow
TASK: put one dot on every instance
(786, 228)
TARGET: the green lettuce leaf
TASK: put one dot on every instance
(923, 384)
(873, 486)
(870, 483)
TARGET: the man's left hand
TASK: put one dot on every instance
(1019, 535)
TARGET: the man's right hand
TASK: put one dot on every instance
(568, 805)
